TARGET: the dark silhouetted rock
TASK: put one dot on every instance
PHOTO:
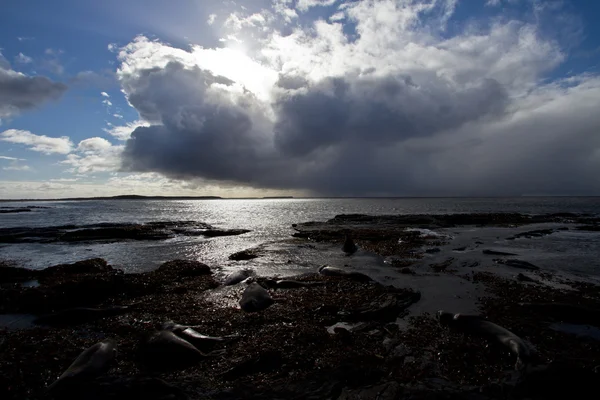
(243, 255)
(91, 266)
(224, 232)
(183, 269)
(14, 210)
(517, 264)
(497, 253)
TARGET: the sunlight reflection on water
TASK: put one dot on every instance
(268, 219)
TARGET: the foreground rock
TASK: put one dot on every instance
(330, 337)
(276, 350)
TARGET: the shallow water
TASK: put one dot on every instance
(270, 221)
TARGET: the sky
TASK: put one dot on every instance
(299, 97)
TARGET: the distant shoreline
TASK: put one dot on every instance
(139, 197)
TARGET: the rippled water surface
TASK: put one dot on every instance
(269, 219)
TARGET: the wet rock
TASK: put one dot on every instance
(497, 253)
(433, 251)
(349, 245)
(224, 232)
(183, 268)
(14, 210)
(532, 234)
(517, 264)
(243, 255)
(463, 248)
(112, 232)
(91, 266)
(134, 232)
(407, 271)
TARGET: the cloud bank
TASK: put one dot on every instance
(380, 100)
(40, 143)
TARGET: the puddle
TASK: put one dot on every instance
(14, 322)
(577, 330)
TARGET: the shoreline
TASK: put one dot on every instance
(397, 349)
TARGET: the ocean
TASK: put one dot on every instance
(270, 221)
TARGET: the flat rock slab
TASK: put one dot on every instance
(111, 232)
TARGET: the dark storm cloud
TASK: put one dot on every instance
(328, 137)
(203, 133)
(401, 106)
(19, 92)
(379, 110)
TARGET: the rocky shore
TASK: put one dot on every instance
(335, 338)
(113, 232)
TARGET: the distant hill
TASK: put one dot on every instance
(124, 197)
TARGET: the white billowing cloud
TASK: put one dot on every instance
(119, 116)
(94, 155)
(229, 63)
(304, 5)
(23, 59)
(236, 22)
(40, 143)
(107, 102)
(104, 94)
(123, 132)
(380, 100)
(19, 92)
(284, 8)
